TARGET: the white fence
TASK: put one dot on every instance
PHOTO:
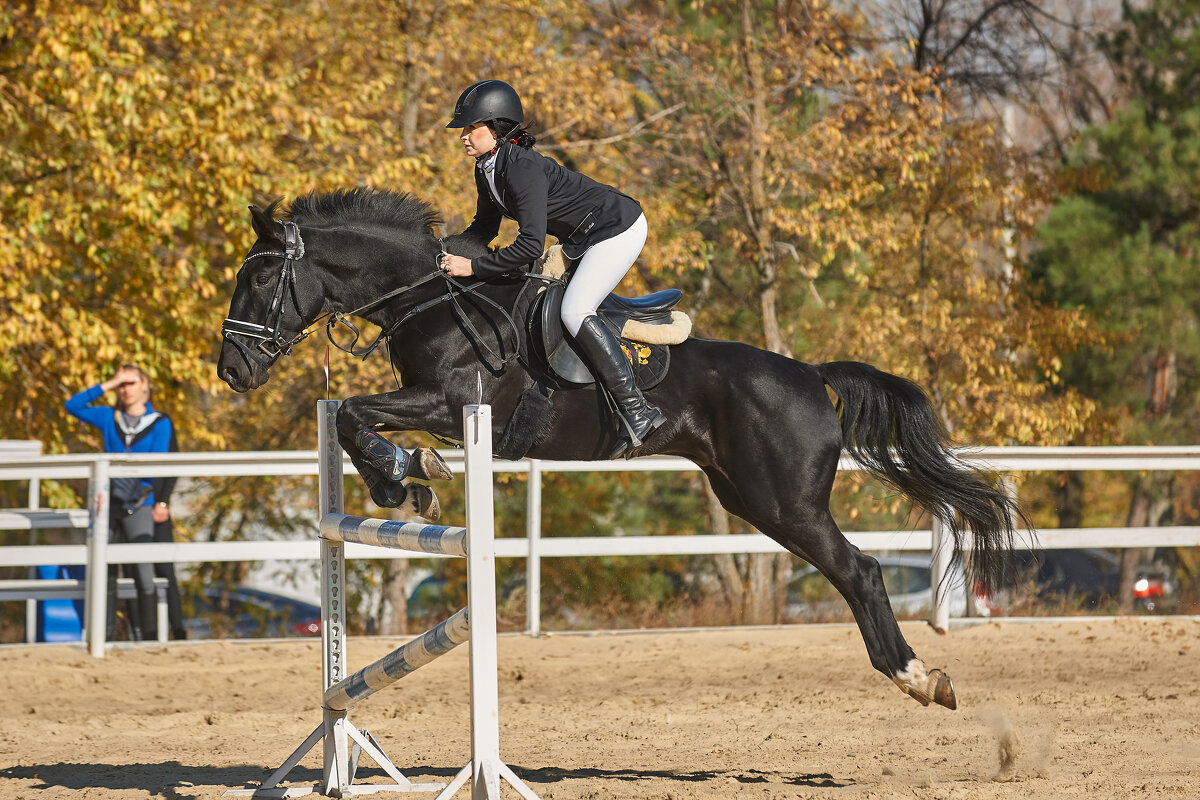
(99, 468)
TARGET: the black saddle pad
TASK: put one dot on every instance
(550, 348)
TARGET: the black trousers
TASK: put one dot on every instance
(165, 532)
(137, 527)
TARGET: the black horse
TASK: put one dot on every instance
(761, 426)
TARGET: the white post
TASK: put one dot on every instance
(481, 589)
(31, 606)
(533, 561)
(939, 568)
(96, 608)
(334, 777)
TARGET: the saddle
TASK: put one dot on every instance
(645, 326)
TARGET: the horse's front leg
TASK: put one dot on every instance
(383, 466)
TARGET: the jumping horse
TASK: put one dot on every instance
(762, 427)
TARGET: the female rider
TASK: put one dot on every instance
(597, 226)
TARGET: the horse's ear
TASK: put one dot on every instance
(264, 226)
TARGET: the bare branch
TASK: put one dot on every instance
(633, 131)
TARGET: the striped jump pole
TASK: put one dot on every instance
(343, 743)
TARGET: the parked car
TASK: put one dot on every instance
(1090, 576)
(907, 579)
(235, 612)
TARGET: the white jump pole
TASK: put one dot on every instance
(477, 623)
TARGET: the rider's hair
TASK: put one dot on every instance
(513, 132)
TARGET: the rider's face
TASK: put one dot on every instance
(478, 139)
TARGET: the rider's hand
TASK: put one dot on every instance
(456, 266)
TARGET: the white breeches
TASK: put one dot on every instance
(600, 270)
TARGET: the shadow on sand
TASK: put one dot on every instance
(170, 779)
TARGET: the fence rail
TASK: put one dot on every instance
(101, 467)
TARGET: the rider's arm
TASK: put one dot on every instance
(527, 190)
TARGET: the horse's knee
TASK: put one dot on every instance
(349, 418)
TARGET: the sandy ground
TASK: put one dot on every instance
(1091, 709)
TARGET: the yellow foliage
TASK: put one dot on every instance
(841, 179)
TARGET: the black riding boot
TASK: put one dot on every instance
(613, 370)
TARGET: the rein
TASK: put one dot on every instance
(451, 296)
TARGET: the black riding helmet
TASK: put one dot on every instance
(490, 101)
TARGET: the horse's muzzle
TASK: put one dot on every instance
(240, 367)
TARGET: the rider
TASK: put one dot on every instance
(597, 226)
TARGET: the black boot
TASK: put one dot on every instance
(615, 373)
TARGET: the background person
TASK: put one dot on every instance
(132, 426)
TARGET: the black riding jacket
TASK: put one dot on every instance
(543, 197)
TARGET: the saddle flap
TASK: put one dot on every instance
(560, 355)
(548, 335)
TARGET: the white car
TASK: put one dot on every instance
(811, 598)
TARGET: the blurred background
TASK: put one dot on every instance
(996, 199)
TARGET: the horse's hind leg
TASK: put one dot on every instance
(858, 578)
(807, 529)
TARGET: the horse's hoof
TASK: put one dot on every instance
(424, 503)
(926, 686)
(943, 689)
(428, 465)
(392, 462)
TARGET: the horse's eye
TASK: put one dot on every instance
(262, 279)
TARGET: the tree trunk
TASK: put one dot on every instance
(760, 599)
(732, 583)
(393, 603)
(1070, 499)
(1152, 501)
(1152, 505)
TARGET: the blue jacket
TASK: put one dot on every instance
(153, 436)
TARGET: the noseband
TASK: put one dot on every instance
(268, 339)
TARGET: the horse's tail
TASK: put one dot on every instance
(890, 427)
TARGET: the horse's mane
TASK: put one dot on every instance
(367, 204)
(362, 204)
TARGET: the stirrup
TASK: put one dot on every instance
(630, 440)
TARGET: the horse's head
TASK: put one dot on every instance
(362, 242)
(266, 315)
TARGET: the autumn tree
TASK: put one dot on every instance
(1122, 246)
(833, 188)
(135, 137)
(817, 194)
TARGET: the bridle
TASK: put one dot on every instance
(272, 343)
(268, 339)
